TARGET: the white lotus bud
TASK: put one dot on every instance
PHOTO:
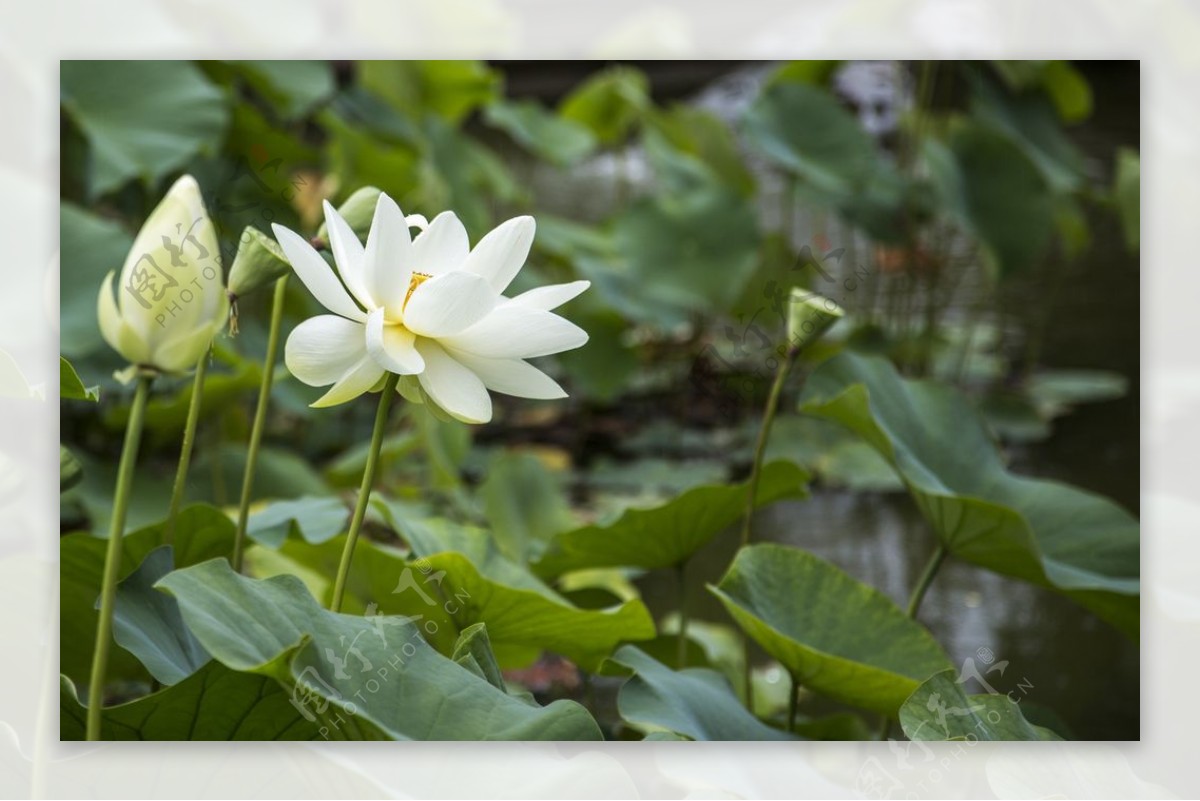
(170, 301)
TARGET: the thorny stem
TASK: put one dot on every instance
(364, 491)
(185, 453)
(260, 422)
(112, 555)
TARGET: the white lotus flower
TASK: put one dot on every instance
(170, 302)
(429, 307)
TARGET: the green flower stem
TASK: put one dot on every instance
(112, 555)
(764, 434)
(931, 569)
(681, 579)
(760, 447)
(185, 453)
(364, 492)
(260, 422)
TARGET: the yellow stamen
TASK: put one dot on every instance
(417, 280)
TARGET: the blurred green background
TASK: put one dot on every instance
(978, 220)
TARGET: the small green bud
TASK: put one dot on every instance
(358, 211)
(259, 261)
(809, 316)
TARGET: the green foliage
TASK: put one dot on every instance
(518, 557)
(293, 88)
(695, 703)
(450, 89)
(474, 652)
(665, 536)
(1002, 196)
(609, 104)
(1041, 531)
(71, 386)
(524, 504)
(1127, 192)
(835, 635)
(480, 585)
(201, 533)
(175, 114)
(315, 519)
(804, 129)
(70, 471)
(941, 710)
(215, 703)
(91, 246)
(274, 627)
(555, 139)
(147, 623)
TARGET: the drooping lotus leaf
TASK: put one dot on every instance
(697, 703)
(214, 703)
(201, 532)
(375, 668)
(834, 634)
(147, 623)
(1045, 532)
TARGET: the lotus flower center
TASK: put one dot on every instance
(417, 280)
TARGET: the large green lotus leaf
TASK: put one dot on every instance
(692, 133)
(174, 114)
(695, 702)
(1001, 195)
(147, 623)
(214, 703)
(314, 518)
(545, 134)
(835, 634)
(451, 89)
(665, 536)
(90, 246)
(1029, 119)
(377, 667)
(940, 710)
(293, 88)
(524, 504)
(201, 532)
(805, 128)
(690, 251)
(609, 103)
(1041, 531)
(460, 579)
